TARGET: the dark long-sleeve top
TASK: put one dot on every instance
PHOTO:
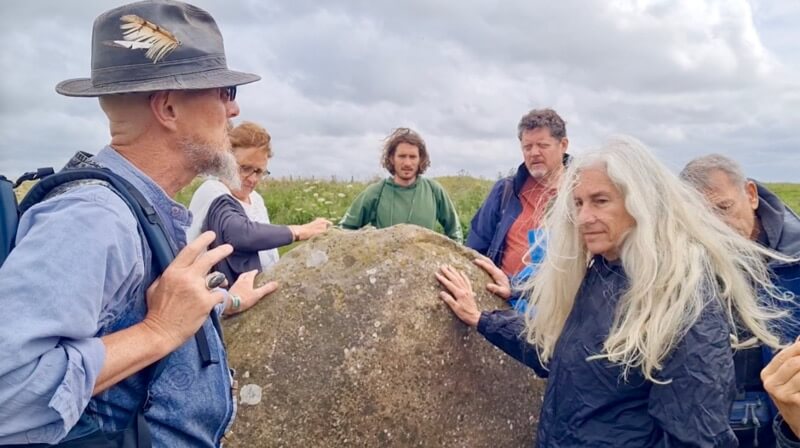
(227, 218)
(588, 403)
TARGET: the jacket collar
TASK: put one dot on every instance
(390, 182)
(606, 268)
(522, 174)
(779, 222)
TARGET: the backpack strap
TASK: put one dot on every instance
(154, 230)
(9, 218)
(156, 236)
(145, 214)
(9, 213)
(508, 190)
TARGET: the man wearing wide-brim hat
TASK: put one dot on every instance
(85, 313)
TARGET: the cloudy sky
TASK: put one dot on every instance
(687, 77)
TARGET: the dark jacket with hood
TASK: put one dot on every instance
(590, 404)
(780, 231)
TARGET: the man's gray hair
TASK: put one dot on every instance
(697, 171)
(542, 118)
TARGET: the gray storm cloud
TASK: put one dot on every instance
(687, 77)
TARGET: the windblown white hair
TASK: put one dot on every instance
(678, 256)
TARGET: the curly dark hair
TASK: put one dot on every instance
(542, 118)
(404, 135)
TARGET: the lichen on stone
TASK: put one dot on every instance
(358, 350)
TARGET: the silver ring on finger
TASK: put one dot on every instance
(214, 280)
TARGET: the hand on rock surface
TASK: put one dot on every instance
(459, 296)
(501, 286)
(313, 228)
(247, 294)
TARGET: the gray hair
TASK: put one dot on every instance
(542, 118)
(697, 171)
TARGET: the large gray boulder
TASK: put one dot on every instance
(356, 349)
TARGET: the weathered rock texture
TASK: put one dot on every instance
(356, 349)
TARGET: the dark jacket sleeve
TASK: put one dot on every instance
(484, 223)
(692, 408)
(227, 218)
(505, 330)
(784, 438)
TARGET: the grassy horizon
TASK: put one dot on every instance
(300, 200)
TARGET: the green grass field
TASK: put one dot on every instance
(790, 193)
(297, 201)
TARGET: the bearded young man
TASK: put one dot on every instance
(406, 197)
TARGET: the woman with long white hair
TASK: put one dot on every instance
(634, 311)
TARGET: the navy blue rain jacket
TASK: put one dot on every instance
(589, 404)
(781, 233)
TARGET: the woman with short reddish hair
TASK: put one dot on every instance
(238, 215)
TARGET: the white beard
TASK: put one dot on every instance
(210, 161)
(537, 174)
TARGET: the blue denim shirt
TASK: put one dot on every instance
(80, 271)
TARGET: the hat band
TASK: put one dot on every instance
(150, 71)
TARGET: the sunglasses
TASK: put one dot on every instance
(228, 93)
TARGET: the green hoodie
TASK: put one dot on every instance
(385, 204)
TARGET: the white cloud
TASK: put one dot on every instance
(685, 76)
